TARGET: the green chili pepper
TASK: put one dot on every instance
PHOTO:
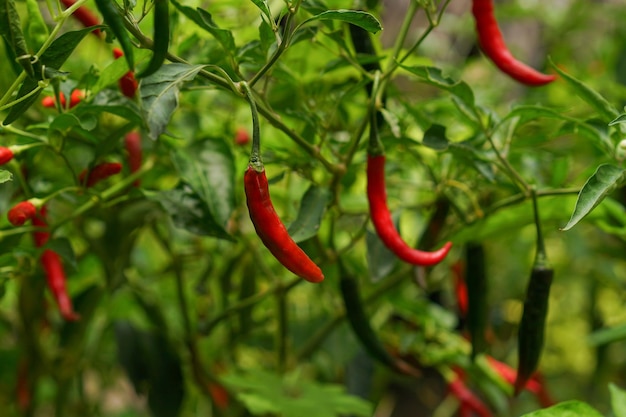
(161, 37)
(477, 307)
(36, 28)
(532, 326)
(113, 18)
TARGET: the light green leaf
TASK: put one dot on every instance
(598, 186)
(607, 335)
(566, 409)
(264, 8)
(5, 176)
(618, 400)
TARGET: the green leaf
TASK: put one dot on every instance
(5, 176)
(203, 19)
(359, 18)
(380, 260)
(618, 400)
(312, 208)
(54, 57)
(11, 30)
(36, 28)
(116, 69)
(208, 167)
(190, 212)
(606, 110)
(620, 119)
(435, 77)
(63, 247)
(607, 335)
(159, 93)
(566, 409)
(598, 186)
(435, 138)
(264, 8)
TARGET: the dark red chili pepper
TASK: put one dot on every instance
(55, 276)
(492, 43)
(534, 385)
(6, 155)
(467, 398)
(477, 307)
(128, 83)
(272, 231)
(41, 237)
(219, 395)
(22, 211)
(84, 16)
(132, 142)
(383, 223)
(460, 288)
(99, 172)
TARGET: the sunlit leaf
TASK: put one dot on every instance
(566, 409)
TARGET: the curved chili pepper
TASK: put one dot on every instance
(383, 223)
(161, 37)
(99, 172)
(272, 231)
(22, 211)
(467, 398)
(6, 155)
(115, 21)
(534, 385)
(492, 43)
(84, 16)
(132, 142)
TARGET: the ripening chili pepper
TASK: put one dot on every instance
(161, 37)
(272, 231)
(84, 16)
(22, 211)
(55, 277)
(99, 172)
(467, 398)
(115, 21)
(128, 83)
(6, 155)
(477, 307)
(492, 43)
(532, 326)
(41, 237)
(383, 223)
(75, 98)
(132, 143)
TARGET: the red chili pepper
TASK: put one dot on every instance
(381, 217)
(460, 288)
(132, 142)
(84, 16)
(22, 211)
(6, 154)
(492, 43)
(99, 172)
(272, 231)
(75, 98)
(242, 137)
(219, 395)
(55, 276)
(127, 83)
(534, 385)
(41, 238)
(467, 398)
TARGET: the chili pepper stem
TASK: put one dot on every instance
(255, 153)
(541, 258)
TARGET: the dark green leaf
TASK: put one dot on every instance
(435, 138)
(598, 186)
(54, 57)
(159, 93)
(189, 211)
(380, 260)
(63, 247)
(208, 167)
(359, 18)
(11, 30)
(312, 208)
(605, 109)
(566, 409)
(204, 19)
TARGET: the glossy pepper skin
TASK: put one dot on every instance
(55, 277)
(128, 83)
(99, 172)
(272, 231)
(532, 327)
(84, 16)
(493, 45)
(383, 223)
(22, 211)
